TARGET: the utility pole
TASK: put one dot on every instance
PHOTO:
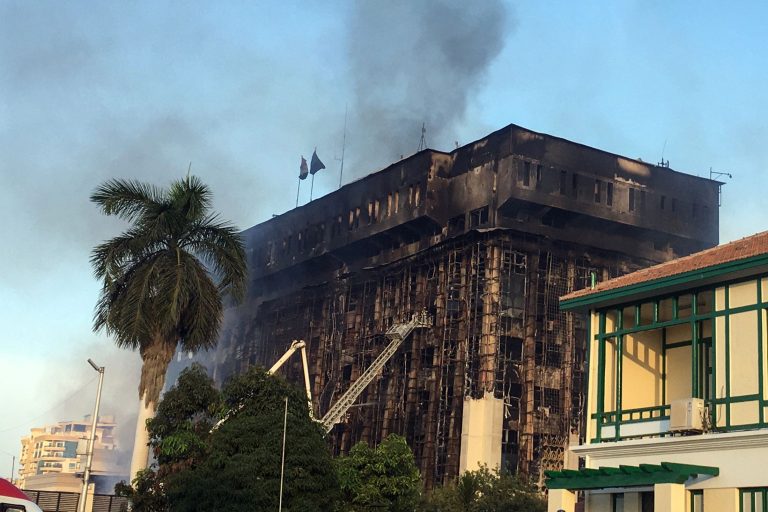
(282, 459)
(89, 459)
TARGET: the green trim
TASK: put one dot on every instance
(761, 417)
(586, 383)
(751, 492)
(664, 365)
(619, 375)
(694, 348)
(678, 344)
(626, 476)
(713, 377)
(600, 374)
(665, 282)
(726, 295)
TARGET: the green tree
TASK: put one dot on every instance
(485, 491)
(241, 471)
(164, 279)
(180, 436)
(384, 478)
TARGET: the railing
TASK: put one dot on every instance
(631, 423)
(56, 501)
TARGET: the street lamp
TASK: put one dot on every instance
(89, 459)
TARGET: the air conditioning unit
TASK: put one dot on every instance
(686, 414)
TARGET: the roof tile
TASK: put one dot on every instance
(748, 247)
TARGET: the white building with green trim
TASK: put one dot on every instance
(677, 407)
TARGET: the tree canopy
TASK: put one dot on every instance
(485, 491)
(381, 478)
(236, 466)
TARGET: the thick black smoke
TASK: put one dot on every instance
(413, 63)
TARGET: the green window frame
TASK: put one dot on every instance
(697, 500)
(684, 308)
(753, 499)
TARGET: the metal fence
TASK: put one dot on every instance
(55, 501)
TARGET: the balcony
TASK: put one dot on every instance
(709, 345)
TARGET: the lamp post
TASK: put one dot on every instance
(89, 459)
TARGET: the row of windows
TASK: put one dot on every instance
(374, 211)
(529, 172)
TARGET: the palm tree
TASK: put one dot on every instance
(164, 279)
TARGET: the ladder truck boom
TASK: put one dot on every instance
(396, 334)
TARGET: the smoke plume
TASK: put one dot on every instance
(413, 63)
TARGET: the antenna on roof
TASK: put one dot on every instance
(713, 175)
(423, 141)
(343, 145)
(663, 163)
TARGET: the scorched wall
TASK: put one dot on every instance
(485, 238)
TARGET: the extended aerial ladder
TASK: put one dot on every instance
(397, 334)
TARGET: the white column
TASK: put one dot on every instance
(669, 498)
(561, 499)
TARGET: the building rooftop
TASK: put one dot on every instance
(686, 268)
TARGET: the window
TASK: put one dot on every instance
(598, 186)
(526, 174)
(563, 182)
(538, 173)
(631, 199)
(12, 508)
(609, 194)
(662, 201)
(754, 499)
(697, 501)
(575, 186)
(478, 217)
(617, 502)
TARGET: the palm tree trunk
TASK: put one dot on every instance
(155, 356)
(140, 456)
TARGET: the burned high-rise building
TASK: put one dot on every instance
(485, 239)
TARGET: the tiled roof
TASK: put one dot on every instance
(748, 247)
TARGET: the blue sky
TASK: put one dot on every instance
(241, 90)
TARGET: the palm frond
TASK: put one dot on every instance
(220, 246)
(128, 199)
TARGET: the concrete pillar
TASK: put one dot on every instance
(89, 498)
(722, 500)
(561, 499)
(633, 502)
(669, 498)
(599, 503)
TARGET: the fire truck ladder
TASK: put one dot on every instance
(397, 334)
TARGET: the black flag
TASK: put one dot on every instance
(303, 171)
(316, 164)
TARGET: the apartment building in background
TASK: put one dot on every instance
(53, 456)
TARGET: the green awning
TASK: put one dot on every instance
(626, 476)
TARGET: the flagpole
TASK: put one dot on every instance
(311, 187)
(343, 144)
(297, 193)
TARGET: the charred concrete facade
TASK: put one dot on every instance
(486, 238)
